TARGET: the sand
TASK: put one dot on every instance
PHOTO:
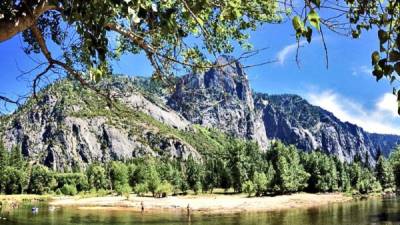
(204, 203)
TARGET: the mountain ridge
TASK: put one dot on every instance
(70, 126)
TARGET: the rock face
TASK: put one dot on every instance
(220, 98)
(71, 127)
(293, 120)
(56, 132)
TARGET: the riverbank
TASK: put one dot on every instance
(208, 204)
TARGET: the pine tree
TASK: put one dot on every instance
(16, 159)
(384, 173)
(4, 155)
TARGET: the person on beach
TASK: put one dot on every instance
(188, 213)
(188, 209)
(142, 205)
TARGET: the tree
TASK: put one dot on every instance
(96, 177)
(236, 160)
(226, 177)
(344, 184)
(3, 164)
(211, 176)
(118, 175)
(123, 189)
(248, 188)
(394, 159)
(152, 177)
(78, 180)
(160, 30)
(322, 170)
(290, 175)
(177, 181)
(352, 18)
(13, 180)
(260, 183)
(141, 189)
(194, 173)
(41, 180)
(16, 158)
(3, 156)
(164, 189)
(68, 189)
(157, 29)
(384, 173)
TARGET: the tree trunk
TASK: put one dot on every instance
(25, 19)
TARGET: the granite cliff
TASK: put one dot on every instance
(68, 126)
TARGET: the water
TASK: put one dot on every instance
(373, 211)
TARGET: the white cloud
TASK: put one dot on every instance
(382, 118)
(286, 51)
(388, 104)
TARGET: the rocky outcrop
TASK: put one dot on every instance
(220, 98)
(293, 120)
(61, 136)
(71, 127)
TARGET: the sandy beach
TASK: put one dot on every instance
(209, 204)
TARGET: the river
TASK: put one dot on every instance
(363, 212)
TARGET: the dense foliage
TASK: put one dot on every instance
(242, 168)
(180, 34)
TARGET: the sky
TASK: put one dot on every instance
(346, 88)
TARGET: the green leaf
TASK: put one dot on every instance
(397, 68)
(378, 72)
(298, 25)
(392, 79)
(355, 33)
(317, 2)
(383, 36)
(313, 17)
(308, 34)
(388, 69)
(394, 56)
(375, 57)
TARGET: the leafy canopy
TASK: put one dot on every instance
(181, 34)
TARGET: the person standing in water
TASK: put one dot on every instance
(188, 209)
(142, 206)
(188, 213)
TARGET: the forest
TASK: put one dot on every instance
(240, 168)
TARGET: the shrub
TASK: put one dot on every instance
(58, 192)
(248, 188)
(141, 189)
(123, 189)
(101, 192)
(197, 187)
(69, 189)
(164, 189)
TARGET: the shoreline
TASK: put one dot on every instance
(206, 204)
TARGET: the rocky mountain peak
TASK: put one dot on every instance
(220, 98)
(71, 127)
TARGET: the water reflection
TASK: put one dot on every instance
(374, 211)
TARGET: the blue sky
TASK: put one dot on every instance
(347, 88)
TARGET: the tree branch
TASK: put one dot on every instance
(25, 19)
